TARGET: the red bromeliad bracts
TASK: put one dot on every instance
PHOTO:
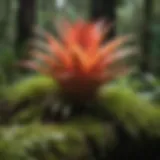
(79, 61)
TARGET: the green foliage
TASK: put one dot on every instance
(7, 63)
(155, 50)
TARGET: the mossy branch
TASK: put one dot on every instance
(30, 88)
(134, 112)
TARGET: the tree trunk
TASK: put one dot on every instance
(5, 11)
(105, 9)
(25, 22)
(146, 37)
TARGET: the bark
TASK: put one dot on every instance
(25, 22)
(146, 37)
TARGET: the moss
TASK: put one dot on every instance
(29, 88)
(69, 140)
(28, 115)
(32, 142)
(43, 142)
(134, 112)
(101, 132)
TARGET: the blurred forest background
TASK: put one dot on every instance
(136, 122)
(19, 19)
(140, 17)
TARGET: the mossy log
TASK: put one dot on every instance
(135, 113)
(45, 142)
(125, 126)
(29, 88)
(137, 123)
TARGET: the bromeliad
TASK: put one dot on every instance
(79, 61)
